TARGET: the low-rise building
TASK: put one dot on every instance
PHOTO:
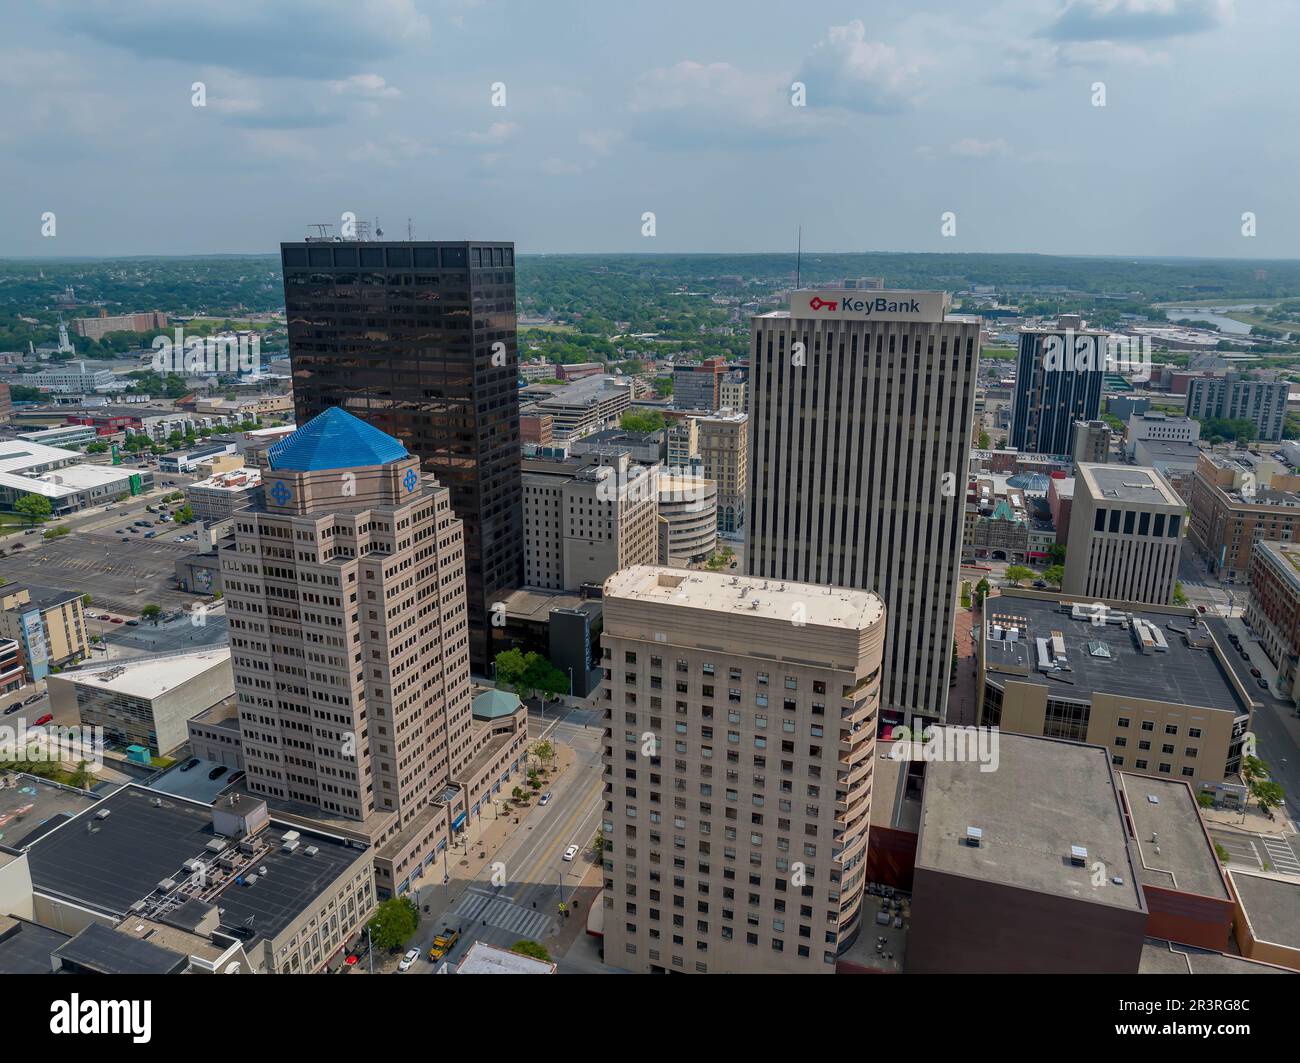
(96, 328)
(1159, 427)
(1149, 683)
(1006, 884)
(688, 518)
(214, 735)
(11, 666)
(1267, 921)
(72, 378)
(47, 622)
(1273, 610)
(220, 495)
(191, 458)
(586, 405)
(1175, 460)
(1239, 498)
(144, 701)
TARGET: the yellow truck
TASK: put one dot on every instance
(443, 943)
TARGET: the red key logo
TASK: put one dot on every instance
(817, 302)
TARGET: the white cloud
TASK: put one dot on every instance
(847, 70)
(978, 149)
(1111, 20)
(366, 86)
(496, 133)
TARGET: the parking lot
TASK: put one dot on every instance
(109, 557)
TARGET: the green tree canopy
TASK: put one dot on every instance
(642, 422)
(529, 674)
(36, 508)
(1017, 574)
(531, 948)
(394, 921)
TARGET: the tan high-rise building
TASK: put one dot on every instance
(345, 591)
(724, 451)
(585, 518)
(683, 442)
(861, 410)
(733, 393)
(739, 753)
(1126, 533)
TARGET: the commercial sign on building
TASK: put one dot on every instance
(38, 651)
(870, 305)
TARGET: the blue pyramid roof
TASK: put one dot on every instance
(335, 440)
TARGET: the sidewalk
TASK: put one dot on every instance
(465, 862)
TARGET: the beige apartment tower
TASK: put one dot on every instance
(861, 407)
(345, 590)
(1126, 533)
(740, 726)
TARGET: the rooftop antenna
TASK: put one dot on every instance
(409, 236)
(798, 261)
(322, 229)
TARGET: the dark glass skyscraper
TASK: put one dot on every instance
(418, 339)
(1059, 377)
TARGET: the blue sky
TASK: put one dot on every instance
(913, 108)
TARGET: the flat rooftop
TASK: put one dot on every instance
(25, 947)
(1125, 483)
(483, 958)
(149, 677)
(1027, 840)
(103, 950)
(34, 806)
(108, 864)
(1272, 906)
(893, 803)
(729, 595)
(17, 455)
(1104, 659)
(1174, 849)
(1167, 957)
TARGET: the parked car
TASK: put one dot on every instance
(133, 623)
(1263, 684)
(103, 616)
(235, 776)
(150, 535)
(46, 718)
(1040, 583)
(1255, 672)
(13, 708)
(1245, 656)
(33, 699)
(190, 764)
(545, 798)
(117, 620)
(570, 852)
(218, 771)
(408, 959)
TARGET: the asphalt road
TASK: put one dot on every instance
(525, 906)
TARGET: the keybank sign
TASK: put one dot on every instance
(876, 306)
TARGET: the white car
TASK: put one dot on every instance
(408, 959)
(570, 852)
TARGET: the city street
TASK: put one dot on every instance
(536, 878)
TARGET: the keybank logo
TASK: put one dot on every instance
(120, 1017)
(867, 307)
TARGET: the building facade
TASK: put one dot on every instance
(1059, 374)
(695, 387)
(688, 518)
(1126, 535)
(47, 622)
(724, 455)
(1273, 610)
(419, 340)
(859, 447)
(585, 518)
(738, 761)
(1233, 397)
(1238, 499)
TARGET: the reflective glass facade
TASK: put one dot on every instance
(402, 334)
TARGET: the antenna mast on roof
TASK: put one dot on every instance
(798, 261)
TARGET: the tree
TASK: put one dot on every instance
(151, 612)
(642, 422)
(544, 752)
(1054, 574)
(394, 921)
(531, 948)
(984, 441)
(36, 508)
(598, 845)
(1016, 574)
(1056, 552)
(86, 600)
(529, 674)
(1267, 794)
(981, 591)
(184, 515)
(1179, 597)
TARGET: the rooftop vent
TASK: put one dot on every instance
(1153, 799)
(1078, 855)
(974, 836)
(166, 885)
(102, 814)
(289, 845)
(311, 850)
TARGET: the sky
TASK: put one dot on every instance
(1099, 127)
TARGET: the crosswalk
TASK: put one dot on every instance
(1281, 856)
(500, 912)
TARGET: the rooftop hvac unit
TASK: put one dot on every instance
(192, 864)
(290, 844)
(156, 802)
(311, 850)
(139, 906)
(1078, 855)
(102, 814)
(974, 835)
(291, 836)
(216, 845)
(167, 885)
